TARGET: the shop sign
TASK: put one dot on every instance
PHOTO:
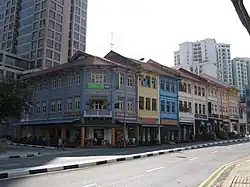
(200, 116)
(72, 114)
(234, 117)
(96, 86)
(213, 115)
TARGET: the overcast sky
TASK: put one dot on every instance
(155, 28)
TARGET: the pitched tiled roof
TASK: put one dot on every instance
(215, 81)
(74, 62)
(189, 75)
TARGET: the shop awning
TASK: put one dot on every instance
(171, 127)
(151, 125)
(48, 121)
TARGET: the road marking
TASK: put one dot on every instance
(215, 175)
(214, 152)
(154, 169)
(90, 185)
(228, 148)
(193, 158)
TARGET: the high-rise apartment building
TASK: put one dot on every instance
(241, 72)
(47, 32)
(205, 56)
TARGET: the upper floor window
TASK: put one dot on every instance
(38, 108)
(54, 84)
(120, 103)
(172, 87)
(195, 90)
(77, 103)
(70, 80)
(153, 82)
(78, 79)
(69, 104)
(147, 81)
(148, 104)
(44, 107)
(130, 80)
(130, 106)
(154, 105)
(203, 92)
(184, 87)
(98, 78)
(53, 106)
(141, 103)
(162, 85)
(199, 91)
(121, 78)
(189, 88)
(59, 105)
(167, 86)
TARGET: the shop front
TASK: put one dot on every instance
(150, 131)
(170, 131)
(47, 132)
(201, 127)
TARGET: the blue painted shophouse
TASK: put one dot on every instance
(83, 101)
(168, 106)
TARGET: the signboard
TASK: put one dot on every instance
(72, 114)
(99, 86)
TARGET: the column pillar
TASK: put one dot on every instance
(82, 137)
(159, 135)
(113, 137)
(148, 134)
(238, 128)
(63, 133)
(137, 134)
(143, 135)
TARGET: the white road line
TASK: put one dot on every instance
(215, 152)
(154, 169)
(193, 158)
(90, 185)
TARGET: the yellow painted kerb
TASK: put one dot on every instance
(215, 175)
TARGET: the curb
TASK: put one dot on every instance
(36, 146)
(53, 168)
(20, 156)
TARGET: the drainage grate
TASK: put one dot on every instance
(241, 181)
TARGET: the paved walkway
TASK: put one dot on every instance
(239, 176)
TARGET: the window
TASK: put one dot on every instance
(130, 106)
(189, 88)
(162, 105)
(44, 107)
(204, 109)
(141, 103)
(199, 108)
(98, 78)
(162, 85)
(77, 103)
(59, 105)
(78, 79)
(120, 103)
(130, 81)
(203, 92)
(69, 104)
(190, 107)
(148, 106)
(181, 109)
(199, 91)
(70, 80)
(154, 105)
(173, 107)
(121, 79)
(167, 86)
(38, 108)
(168, 106)
(172, 87)
(184, 89)
(54, 84)
(53, 106)
(153, 82)
(196, 108)
(147, 81)
(195, 90)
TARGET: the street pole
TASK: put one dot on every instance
(124, 109)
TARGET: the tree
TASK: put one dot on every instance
(242, 13)
(15, 98)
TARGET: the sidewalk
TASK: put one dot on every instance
(239, 176)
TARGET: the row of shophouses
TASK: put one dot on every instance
(100, 101)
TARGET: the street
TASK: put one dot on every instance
(75, 155)
(183, 169)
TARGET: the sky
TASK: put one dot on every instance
(142, 29)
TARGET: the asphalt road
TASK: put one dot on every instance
(78, 155)
(183, 169)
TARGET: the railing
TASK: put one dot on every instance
(97, 113)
